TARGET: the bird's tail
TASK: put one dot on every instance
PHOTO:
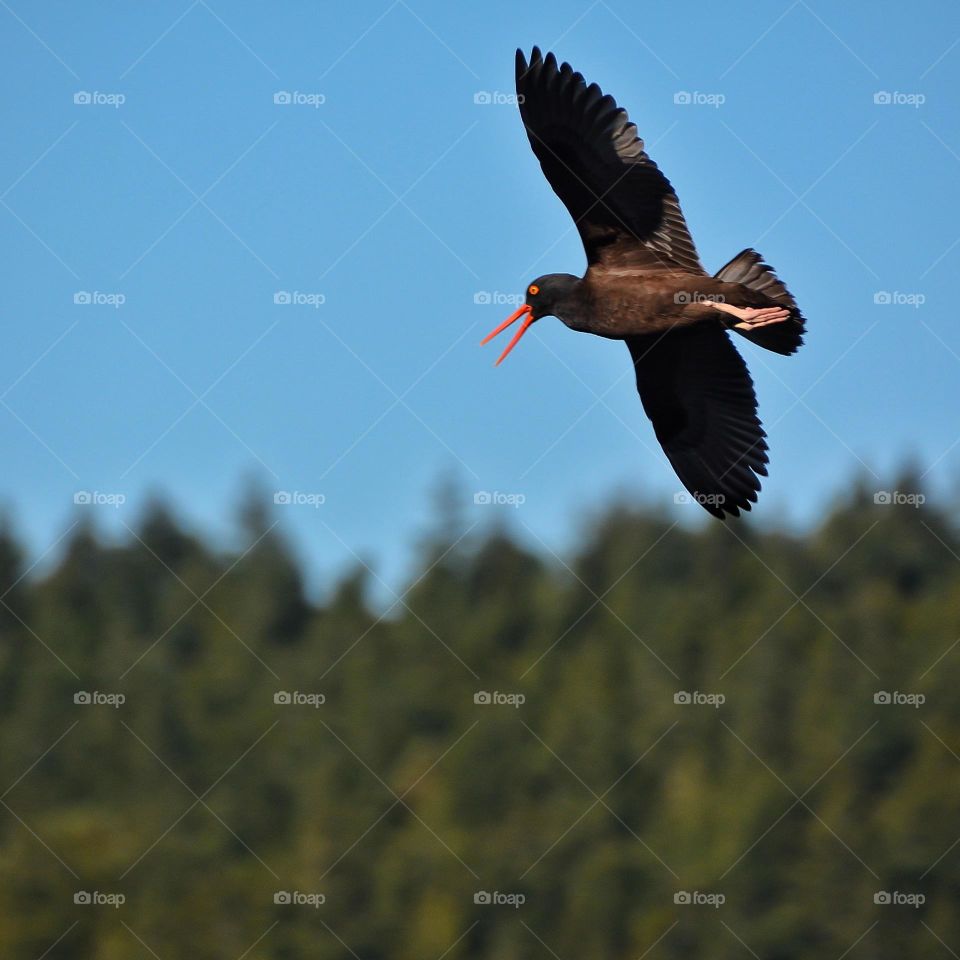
(747, 268)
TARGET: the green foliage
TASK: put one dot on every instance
(595, 800)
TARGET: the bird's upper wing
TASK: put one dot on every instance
(696, 390)
(625, 209)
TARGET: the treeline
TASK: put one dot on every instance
(677, 742)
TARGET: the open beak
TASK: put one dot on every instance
(527, 310)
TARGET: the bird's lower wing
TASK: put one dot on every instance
(698, 394)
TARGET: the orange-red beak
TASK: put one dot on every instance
(525, 309)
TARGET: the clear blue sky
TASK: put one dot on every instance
(397, 200)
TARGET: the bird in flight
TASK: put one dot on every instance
(645, 285)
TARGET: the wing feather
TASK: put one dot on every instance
(625, 209)
(697, 391)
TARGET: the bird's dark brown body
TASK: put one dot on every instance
(645, 285)
(619, 302)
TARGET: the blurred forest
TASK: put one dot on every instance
(388, 811)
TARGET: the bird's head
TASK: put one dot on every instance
(541, 300)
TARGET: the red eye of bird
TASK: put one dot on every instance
(533, 290)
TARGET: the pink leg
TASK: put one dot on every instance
(753, 317)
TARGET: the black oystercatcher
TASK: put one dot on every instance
(645, 285)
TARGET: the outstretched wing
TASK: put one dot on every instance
(625, 209)
(697, 391)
